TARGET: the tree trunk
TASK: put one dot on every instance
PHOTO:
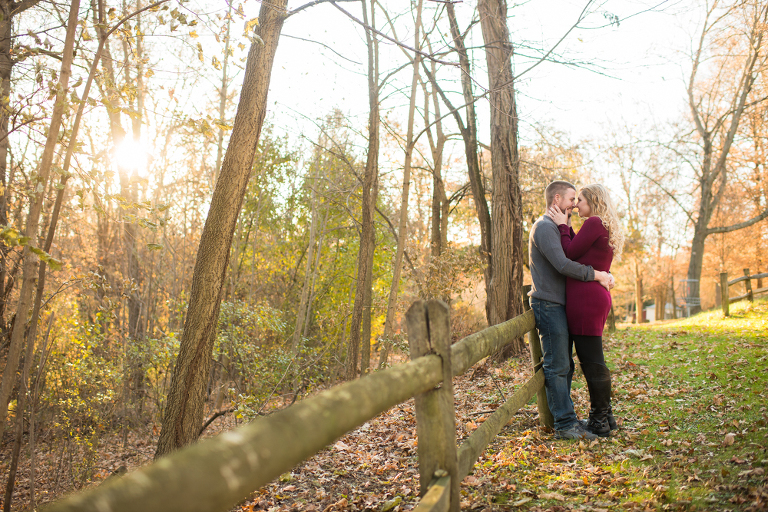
(24, 396)
(223, 98)
(35, 393)
(639, 300)
(695, 265)
(713, 175)
(469, 134)
(33, 218)
(127, 229)
(8, 10)
(365, 337)
(6, 65)
(131, 244)
(370, 189)
(674, 299)
(20, 409)
(438, 234)
(503, 302)
(184, 407)
(402, 228)
(301, 313)
(315, 272)
(661, 302)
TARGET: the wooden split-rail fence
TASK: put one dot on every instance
(726, 300)
(217, 473)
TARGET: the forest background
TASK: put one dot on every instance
(377, 153)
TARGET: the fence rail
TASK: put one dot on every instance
(749, 293)
(217, 473)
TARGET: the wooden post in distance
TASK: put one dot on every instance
(724, 293)
(748, 286)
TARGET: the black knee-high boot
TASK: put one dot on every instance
(598, 378)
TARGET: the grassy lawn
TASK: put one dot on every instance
(690, 396)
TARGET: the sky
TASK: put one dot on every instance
(633, 71)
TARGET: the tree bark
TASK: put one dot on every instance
(184, 407)
(370, 190)
(24, 396)
(8, 10)
(40, 183)
(661, 302)
(674, 299)
(223, 98)
(305, 291)
(402, 227)
(365, 336)
(440, 207)
(503, 302)
(469, 134)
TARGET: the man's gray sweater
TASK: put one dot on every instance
(549, 266)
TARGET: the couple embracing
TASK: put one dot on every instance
(570, 298)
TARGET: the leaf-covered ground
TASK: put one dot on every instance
(689, 398)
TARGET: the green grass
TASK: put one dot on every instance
(691, 399)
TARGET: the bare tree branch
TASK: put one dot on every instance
(312, 4)
(663, 189)
(740, 225)
(325, 45)
(390, 39)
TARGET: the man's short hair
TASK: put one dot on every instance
(555, 188)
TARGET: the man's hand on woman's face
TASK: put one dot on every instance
(557, 215)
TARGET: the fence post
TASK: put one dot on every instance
(724, 293)
(748, 286)
(545, 415)
(429, 333)
(611, 320)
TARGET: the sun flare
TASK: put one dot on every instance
(132, 155)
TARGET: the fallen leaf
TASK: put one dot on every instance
(471, 480)
(520, 503)
(340, 445)
(389, 505)
(552, 496)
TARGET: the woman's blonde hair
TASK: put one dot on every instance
(600, 202)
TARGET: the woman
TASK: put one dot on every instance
(587, 304)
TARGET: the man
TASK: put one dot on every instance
(549, 268)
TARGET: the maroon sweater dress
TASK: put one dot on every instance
(587, 303)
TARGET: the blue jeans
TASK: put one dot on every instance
(557, 348)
